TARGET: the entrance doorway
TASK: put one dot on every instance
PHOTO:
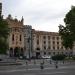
(11, 52)
(37, 54)
(16, 52)
(21, 52)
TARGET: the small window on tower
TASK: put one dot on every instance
(37, 42)
(20, 38)
(13, 37)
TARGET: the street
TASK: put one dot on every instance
(34, 69)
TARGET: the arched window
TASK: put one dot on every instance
(37, 42)
(11, 52)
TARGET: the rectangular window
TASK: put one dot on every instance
(49, 53)
(53, 38)
(37, 42)
(61, 47)
(13, 37)
(54, 47)
(44, 42)
(57, 38)
(49, 42)
(48, 37)
(57, 43)
(57, 47)
(53, 53)
(44, 47)
(44, 37)
(44, 53)
(48, 47)
(53, 42)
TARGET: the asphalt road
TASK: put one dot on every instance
(34, 69)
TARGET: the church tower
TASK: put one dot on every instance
(0, 9)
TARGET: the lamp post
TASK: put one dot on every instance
(29, 49)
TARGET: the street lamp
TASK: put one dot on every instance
(29, 43)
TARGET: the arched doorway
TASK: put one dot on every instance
(16, 52)
(21, 52)
(11, 52)
(37, 54)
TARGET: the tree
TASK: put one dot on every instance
(58, 57)
(67, 32)
(4, 31)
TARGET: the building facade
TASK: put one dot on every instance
(47, 43)
(20, 38)
(25, 41)
(16, 37)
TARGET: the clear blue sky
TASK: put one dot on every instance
(43, 15)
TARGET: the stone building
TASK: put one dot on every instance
(27, 29)
(16, 37)
(20, 38)
(48, 43)
(25, 41)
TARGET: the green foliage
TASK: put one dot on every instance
(4, 31)
(67, 32)
(73, 57)
(58, 57)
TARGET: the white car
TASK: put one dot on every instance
(46, 57)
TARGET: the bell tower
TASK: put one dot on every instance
(0, 9)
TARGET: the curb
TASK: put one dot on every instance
(8, 64)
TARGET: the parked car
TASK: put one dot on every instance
(46, 57)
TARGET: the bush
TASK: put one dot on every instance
(73, 57)
(58, 57)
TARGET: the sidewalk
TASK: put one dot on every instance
(9, 62)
